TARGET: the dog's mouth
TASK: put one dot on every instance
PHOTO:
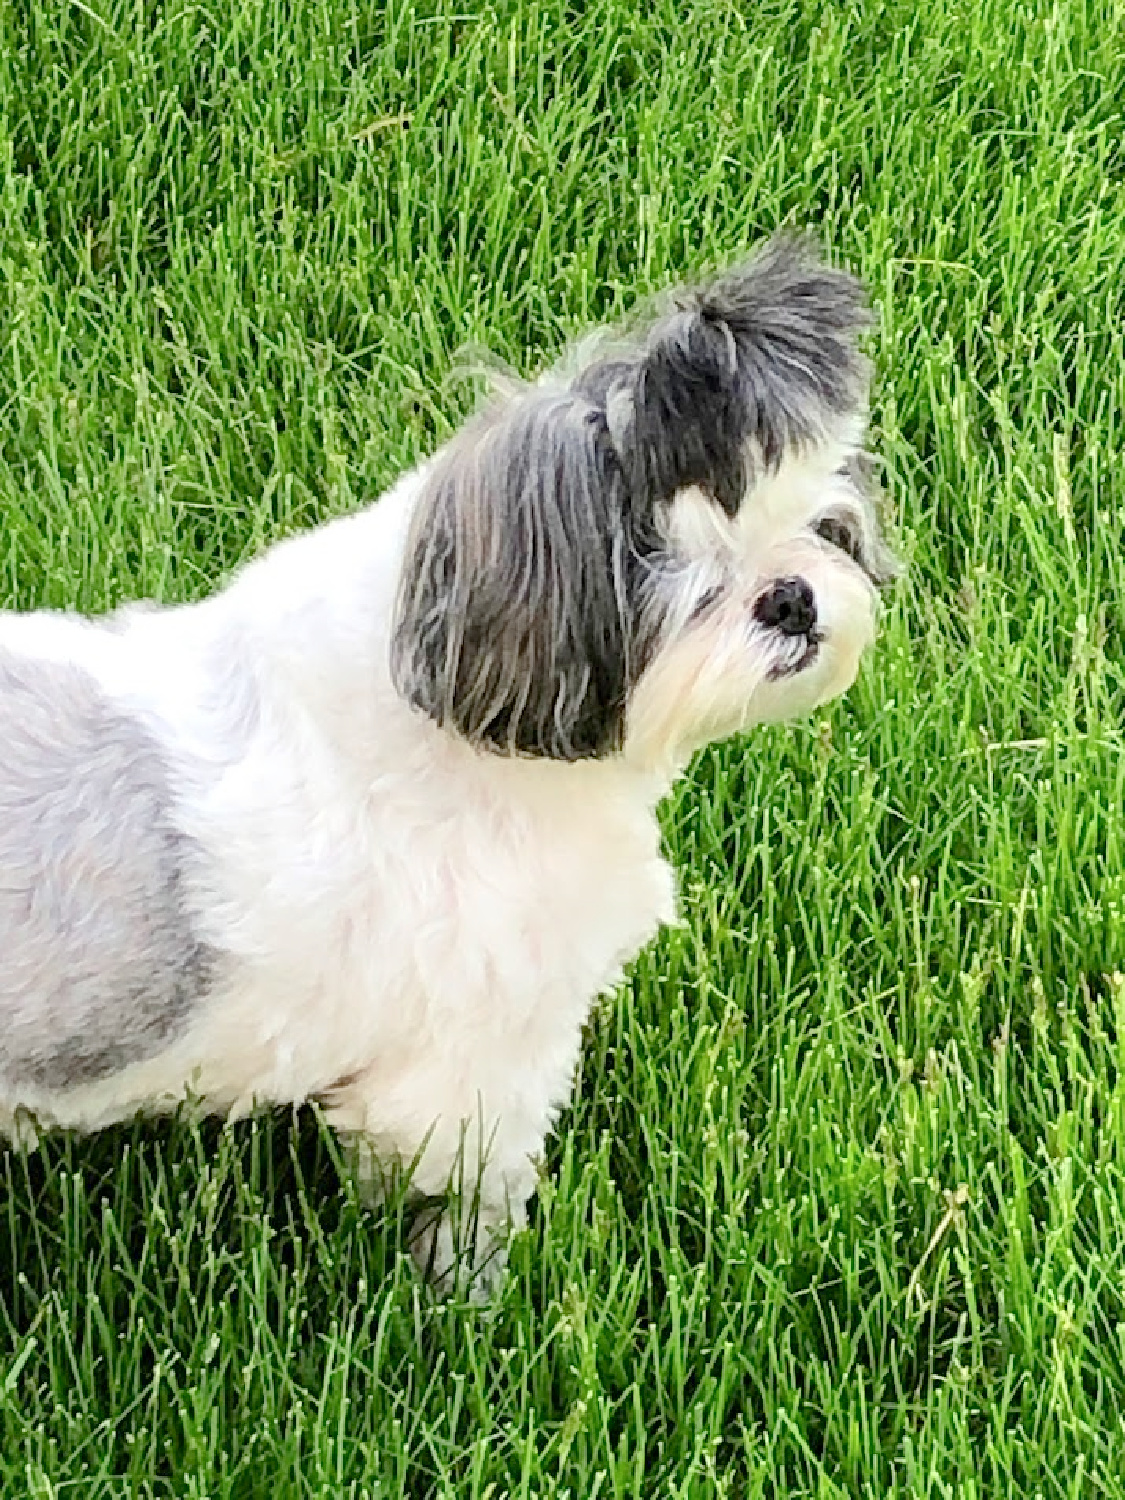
(802, 653)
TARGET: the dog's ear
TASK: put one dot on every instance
(513, 620)
(760, 362)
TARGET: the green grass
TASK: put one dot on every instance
(840, 1207)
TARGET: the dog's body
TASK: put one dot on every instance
(381, 916)
(375, 825)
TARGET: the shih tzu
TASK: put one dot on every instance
(375, 824)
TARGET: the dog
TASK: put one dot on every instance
(373, 826)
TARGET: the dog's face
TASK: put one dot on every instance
(670, 543)
(771, 610)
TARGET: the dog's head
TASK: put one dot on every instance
(672, 542)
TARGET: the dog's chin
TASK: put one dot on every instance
(810, 672)
(821, 673)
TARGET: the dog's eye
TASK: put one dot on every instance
(840, 533)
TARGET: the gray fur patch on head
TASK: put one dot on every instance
(99, 965)
(761, 361)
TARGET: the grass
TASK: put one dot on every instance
(840, 1207)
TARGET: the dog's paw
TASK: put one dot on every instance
(460, 1255)
(18, 1129)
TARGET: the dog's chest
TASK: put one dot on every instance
(373, 930)
(475, 911)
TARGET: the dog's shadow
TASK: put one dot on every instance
(164, 1218)
(159, 1210)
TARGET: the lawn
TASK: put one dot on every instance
(840, 1206)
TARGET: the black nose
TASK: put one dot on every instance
(790, 606)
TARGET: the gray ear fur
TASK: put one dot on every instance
(514, 621)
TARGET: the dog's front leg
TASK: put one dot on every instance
(459, 1239)
(471, 1176)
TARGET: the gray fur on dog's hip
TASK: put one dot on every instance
(99, 965)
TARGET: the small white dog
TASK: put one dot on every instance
(376, 824)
